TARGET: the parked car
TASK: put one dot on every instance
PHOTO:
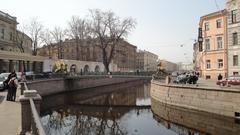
(186, 78)
(3, 77)
(2, 86)
(232, 80)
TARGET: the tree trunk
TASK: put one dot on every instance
(77, 48)
(105, 60)
(35, 49)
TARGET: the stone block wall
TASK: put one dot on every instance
(218, 101)
(197, 122)
(56, 86)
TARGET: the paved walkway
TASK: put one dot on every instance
(212, 84)
(10, 115)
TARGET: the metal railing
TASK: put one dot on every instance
(36, 125)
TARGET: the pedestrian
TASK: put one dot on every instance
(13, 84)
(7, 87)
(23, 76)
(220, 77)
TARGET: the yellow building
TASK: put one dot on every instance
(213, 59)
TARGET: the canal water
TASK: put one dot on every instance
(124, 110)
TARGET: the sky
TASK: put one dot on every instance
(167, 28)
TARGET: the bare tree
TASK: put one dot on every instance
(58, 35)
(109, 29)
(79, 29)
(21, 39)
(34, 29)
(47, 39)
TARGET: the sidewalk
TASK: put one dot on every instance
(10, 115)
(212, 84)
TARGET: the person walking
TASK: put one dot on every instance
(13, 84)
(220, 77)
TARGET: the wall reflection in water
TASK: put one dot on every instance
(177, 119)
(125, 110)
(117, 112)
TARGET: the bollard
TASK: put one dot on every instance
(26, 112)
(167, 80)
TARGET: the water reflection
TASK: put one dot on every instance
(125, 110)
(177, 119)
(115, 111)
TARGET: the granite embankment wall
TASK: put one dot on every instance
(56, 86)
(219, 101)
(195, 122)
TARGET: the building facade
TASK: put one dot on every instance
(233, 32)
(196, 57)
(124, 55)
(146, 61)
(15, 47)
(185, 66)
(12, 39)
(212, 60)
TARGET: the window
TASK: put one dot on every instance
(206, 26)
(235, 60)
(219, 23)
(208, 64)
(207, 44)
(235, 73)
(234, 16)
(219, 43)
(235, 38)
(220, 63)
(2, 34)
(208, 76)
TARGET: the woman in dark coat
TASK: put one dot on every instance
(13, 84)
(7, 87)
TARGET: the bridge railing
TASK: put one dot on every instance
(30, 107)
(41, 76)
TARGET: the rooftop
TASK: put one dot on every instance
(7, 16)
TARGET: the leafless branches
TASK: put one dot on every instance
(109, 29)
(34, 30)
(79, 29)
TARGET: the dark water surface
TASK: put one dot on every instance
(125, 110)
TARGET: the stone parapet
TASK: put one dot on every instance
(196, 122)
(26, 109)
(218, 101)
(56, 86)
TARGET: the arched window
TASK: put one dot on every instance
(73, 68)
(86, 69)
(97, 69)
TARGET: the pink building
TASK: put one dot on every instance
(213, 59)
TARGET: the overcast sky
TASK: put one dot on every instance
(162, 25)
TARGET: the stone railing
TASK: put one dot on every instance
(213, 100)
(30, 106)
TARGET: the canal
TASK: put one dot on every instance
(125, 110)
